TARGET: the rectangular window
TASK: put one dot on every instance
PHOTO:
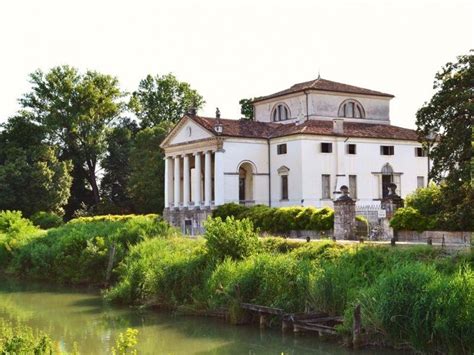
(420, 152)
(284, 187)
(387, 150)
(326, 186)
(420, 182)
(326, 147)
(281, 149)
(351, 149)
(353, 186)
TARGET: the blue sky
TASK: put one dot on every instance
(231, 50)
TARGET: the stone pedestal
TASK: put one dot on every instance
(344, 216)
(390, 204)
(189, 221)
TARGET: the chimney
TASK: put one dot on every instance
(338, 126)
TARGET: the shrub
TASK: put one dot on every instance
(408, 218)
(231, 238)
(362, 225)
(228, 210)
(164, 272)
(79, 251)
(46, 220)
(415, 303)
(20, 339)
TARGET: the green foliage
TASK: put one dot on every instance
(146, 181)
(246, 108)
(280, 220)
(75, 111)
(273, 280)
(235, 239)
(449, 116)
(46, 220)
(163, 98)
(117, 167)
(427, 200)
(415, 303)
(30, 168)
(126, 343)
(408, 218)
(161, 272)
(20, 339)
(79, 252)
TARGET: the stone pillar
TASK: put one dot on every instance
(177, 181)
(344, 216)
(390, 204)
(186, 181)
(197, 179)
(219, 177)
(167, 169)
(207, 179)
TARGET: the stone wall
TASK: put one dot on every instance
(188, 221)
(462, 238)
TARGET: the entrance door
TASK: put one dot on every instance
(241, 189)
(386, 180)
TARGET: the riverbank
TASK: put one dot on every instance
(418, 297)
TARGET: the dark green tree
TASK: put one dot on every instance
(146, 184)
(246, 108)
(32, 178)
(449, 116)
(116, 164)
(76, 110)
(163, 98)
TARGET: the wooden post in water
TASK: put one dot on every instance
(263, 321)
(356, 328)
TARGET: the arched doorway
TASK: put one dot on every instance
(246, 182)
(387, 178)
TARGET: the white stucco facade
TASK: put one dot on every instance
(301, 160)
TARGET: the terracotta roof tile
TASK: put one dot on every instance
(253, 129)
(323, 85)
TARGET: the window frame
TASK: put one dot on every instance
(324, 195)
(284, 191)
(348, 148)
(277, 111)
(420, 152)
(358, 110)
(282, 149)
(390, 150)
(326, 144)
(353, 186)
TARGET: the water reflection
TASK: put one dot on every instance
(70, 315)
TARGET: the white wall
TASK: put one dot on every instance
(197, 132)
(324, 105)
(238, 151)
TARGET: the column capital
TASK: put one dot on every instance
(197, 153)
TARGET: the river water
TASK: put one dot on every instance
(71, 315)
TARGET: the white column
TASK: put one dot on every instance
(177, 181)
(207, 179)
(186, 184)
(197, 179)
(219, 178)
(167, 169)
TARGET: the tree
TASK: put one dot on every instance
(163, 98)
(146, 183)
(75, 110)
(117, 168)
(449, 116)
(246, 108)
(32, 178)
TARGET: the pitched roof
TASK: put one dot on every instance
(255, 129)
(323, 85)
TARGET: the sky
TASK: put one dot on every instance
(229, 50)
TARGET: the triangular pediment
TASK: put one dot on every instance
(186, 131)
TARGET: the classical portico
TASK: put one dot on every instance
(193, 176)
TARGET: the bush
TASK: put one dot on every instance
(280, 220)
(408, 218)
(79, 252)
(21, 339)
(416, 303)
(164, 272)
(235, 239)
(46, 220)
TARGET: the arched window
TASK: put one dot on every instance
(351, 109)
(280, 113)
